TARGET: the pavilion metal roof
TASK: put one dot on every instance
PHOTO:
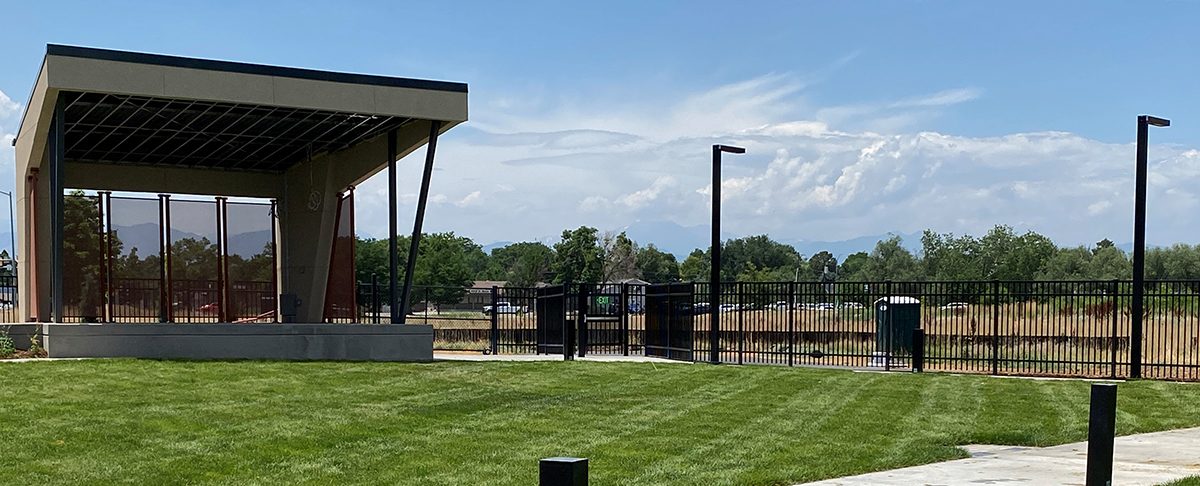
(151, 123)
(126, 129)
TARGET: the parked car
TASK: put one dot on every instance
(956, 306)
(728, 307)
(779, 305)
(701, 307)
(852, 305)
(504, 308)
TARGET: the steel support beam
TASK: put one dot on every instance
(393, 254)
(435, 127)
(57, 163)
(714, 271)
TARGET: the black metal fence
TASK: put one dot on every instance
(1047, 328)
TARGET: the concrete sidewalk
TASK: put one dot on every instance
(1142, 459)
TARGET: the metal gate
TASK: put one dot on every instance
(552, 323)
(669, 321)
(605, 324)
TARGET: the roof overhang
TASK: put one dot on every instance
(130, 108)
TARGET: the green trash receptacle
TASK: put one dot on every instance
(905, 315)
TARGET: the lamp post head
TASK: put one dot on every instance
(1155, 121)
(729, 149)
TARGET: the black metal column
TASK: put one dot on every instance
(57, 162)
(393, 254)
(1139, 242)
(410, 264)
(714, 273)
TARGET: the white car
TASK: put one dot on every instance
(852, 305)
(956, 305)
(504, 308)
(728, 307)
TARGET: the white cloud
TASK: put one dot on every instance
(941, 98)
(806, 175)
(8, 107)
(471, 199)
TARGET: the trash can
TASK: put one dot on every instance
(905, 315)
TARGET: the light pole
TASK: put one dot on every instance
(12, 233)
(714, 273)
(1139, 242)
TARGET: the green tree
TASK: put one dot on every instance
(891, 261)
(855, 266)
(619, 255)
(523, 264)
(657, 266)
(818, 264)
(1109, 263)
(760, 256)
(577, 257)
(695, 268)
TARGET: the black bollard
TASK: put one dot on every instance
(918, 350)
(563, 471)
(1102, 424)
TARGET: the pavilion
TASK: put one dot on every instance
(106, 122)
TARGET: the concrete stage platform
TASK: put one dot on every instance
(349, 342)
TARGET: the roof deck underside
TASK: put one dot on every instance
(141, 130)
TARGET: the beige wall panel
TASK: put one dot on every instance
(79, 74)
(418, 103)
(137, 178)
(324, 95)
(217, 86)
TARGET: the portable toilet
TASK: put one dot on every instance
(904, 314)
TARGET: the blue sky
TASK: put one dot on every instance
(861, 118)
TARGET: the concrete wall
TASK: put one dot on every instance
(354, 342)
(22, 333)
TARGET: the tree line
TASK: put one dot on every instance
(586, 254)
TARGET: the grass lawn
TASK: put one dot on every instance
(163, 422)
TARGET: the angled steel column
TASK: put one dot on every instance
(410, 264)
(393, 255)
(1139, 242)
(57, 161)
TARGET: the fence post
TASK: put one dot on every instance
(581, 328)
(568, 329)
(791, 303)
(918, 350)
(1116, 298)
(737, 287)
(888, 334)
(375, 298)
(995, 327)
(625, 319)
(494, 337)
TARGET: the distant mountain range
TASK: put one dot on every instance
(144, 237)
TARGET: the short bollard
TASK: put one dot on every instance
(563, 471)
(1102, 423)
(918, 350)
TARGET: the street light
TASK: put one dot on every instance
(714, 273)
(1139, 241)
